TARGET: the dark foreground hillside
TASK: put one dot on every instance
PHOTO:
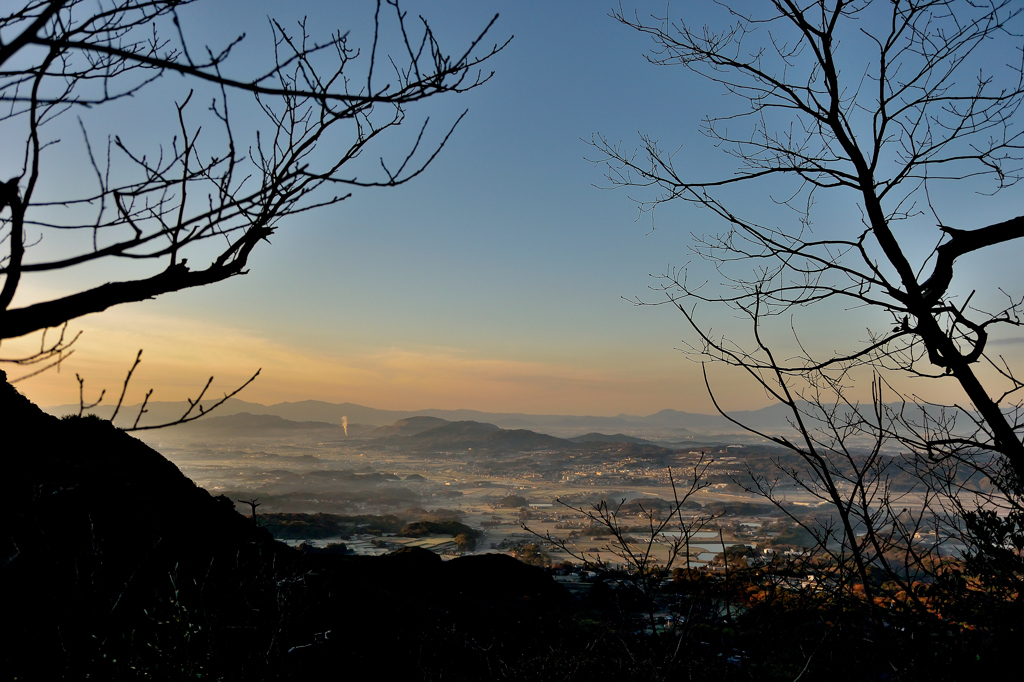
(115, 566)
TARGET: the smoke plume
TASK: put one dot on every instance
(344, 424)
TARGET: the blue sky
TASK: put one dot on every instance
(496, 280)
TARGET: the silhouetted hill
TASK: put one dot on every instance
(117, 566)
(94, 524)
(409, 427)
(432, 432)
(522, 439)
(466, 434)
(453, 434)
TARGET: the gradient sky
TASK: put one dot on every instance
(495, 281)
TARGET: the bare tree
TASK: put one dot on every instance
(648, 552)
(671, 527)
(194, 202)
(253, 502)
(878, 106)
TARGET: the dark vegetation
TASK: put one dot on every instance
(426, 528)
(513, 501)
(335, 501)
(313, 526)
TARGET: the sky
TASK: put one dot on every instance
(499, 280)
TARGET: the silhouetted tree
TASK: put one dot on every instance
(188, 207)
(253, 503)
(880, 105)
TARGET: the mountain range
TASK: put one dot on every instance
(414, 432)
(666, 424)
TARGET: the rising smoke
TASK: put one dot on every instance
(344, 424)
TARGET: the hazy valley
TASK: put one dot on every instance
(509, 484)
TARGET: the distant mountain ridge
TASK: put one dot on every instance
(429, 432)
(666, 423)
(257, 422)
(408, 427)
